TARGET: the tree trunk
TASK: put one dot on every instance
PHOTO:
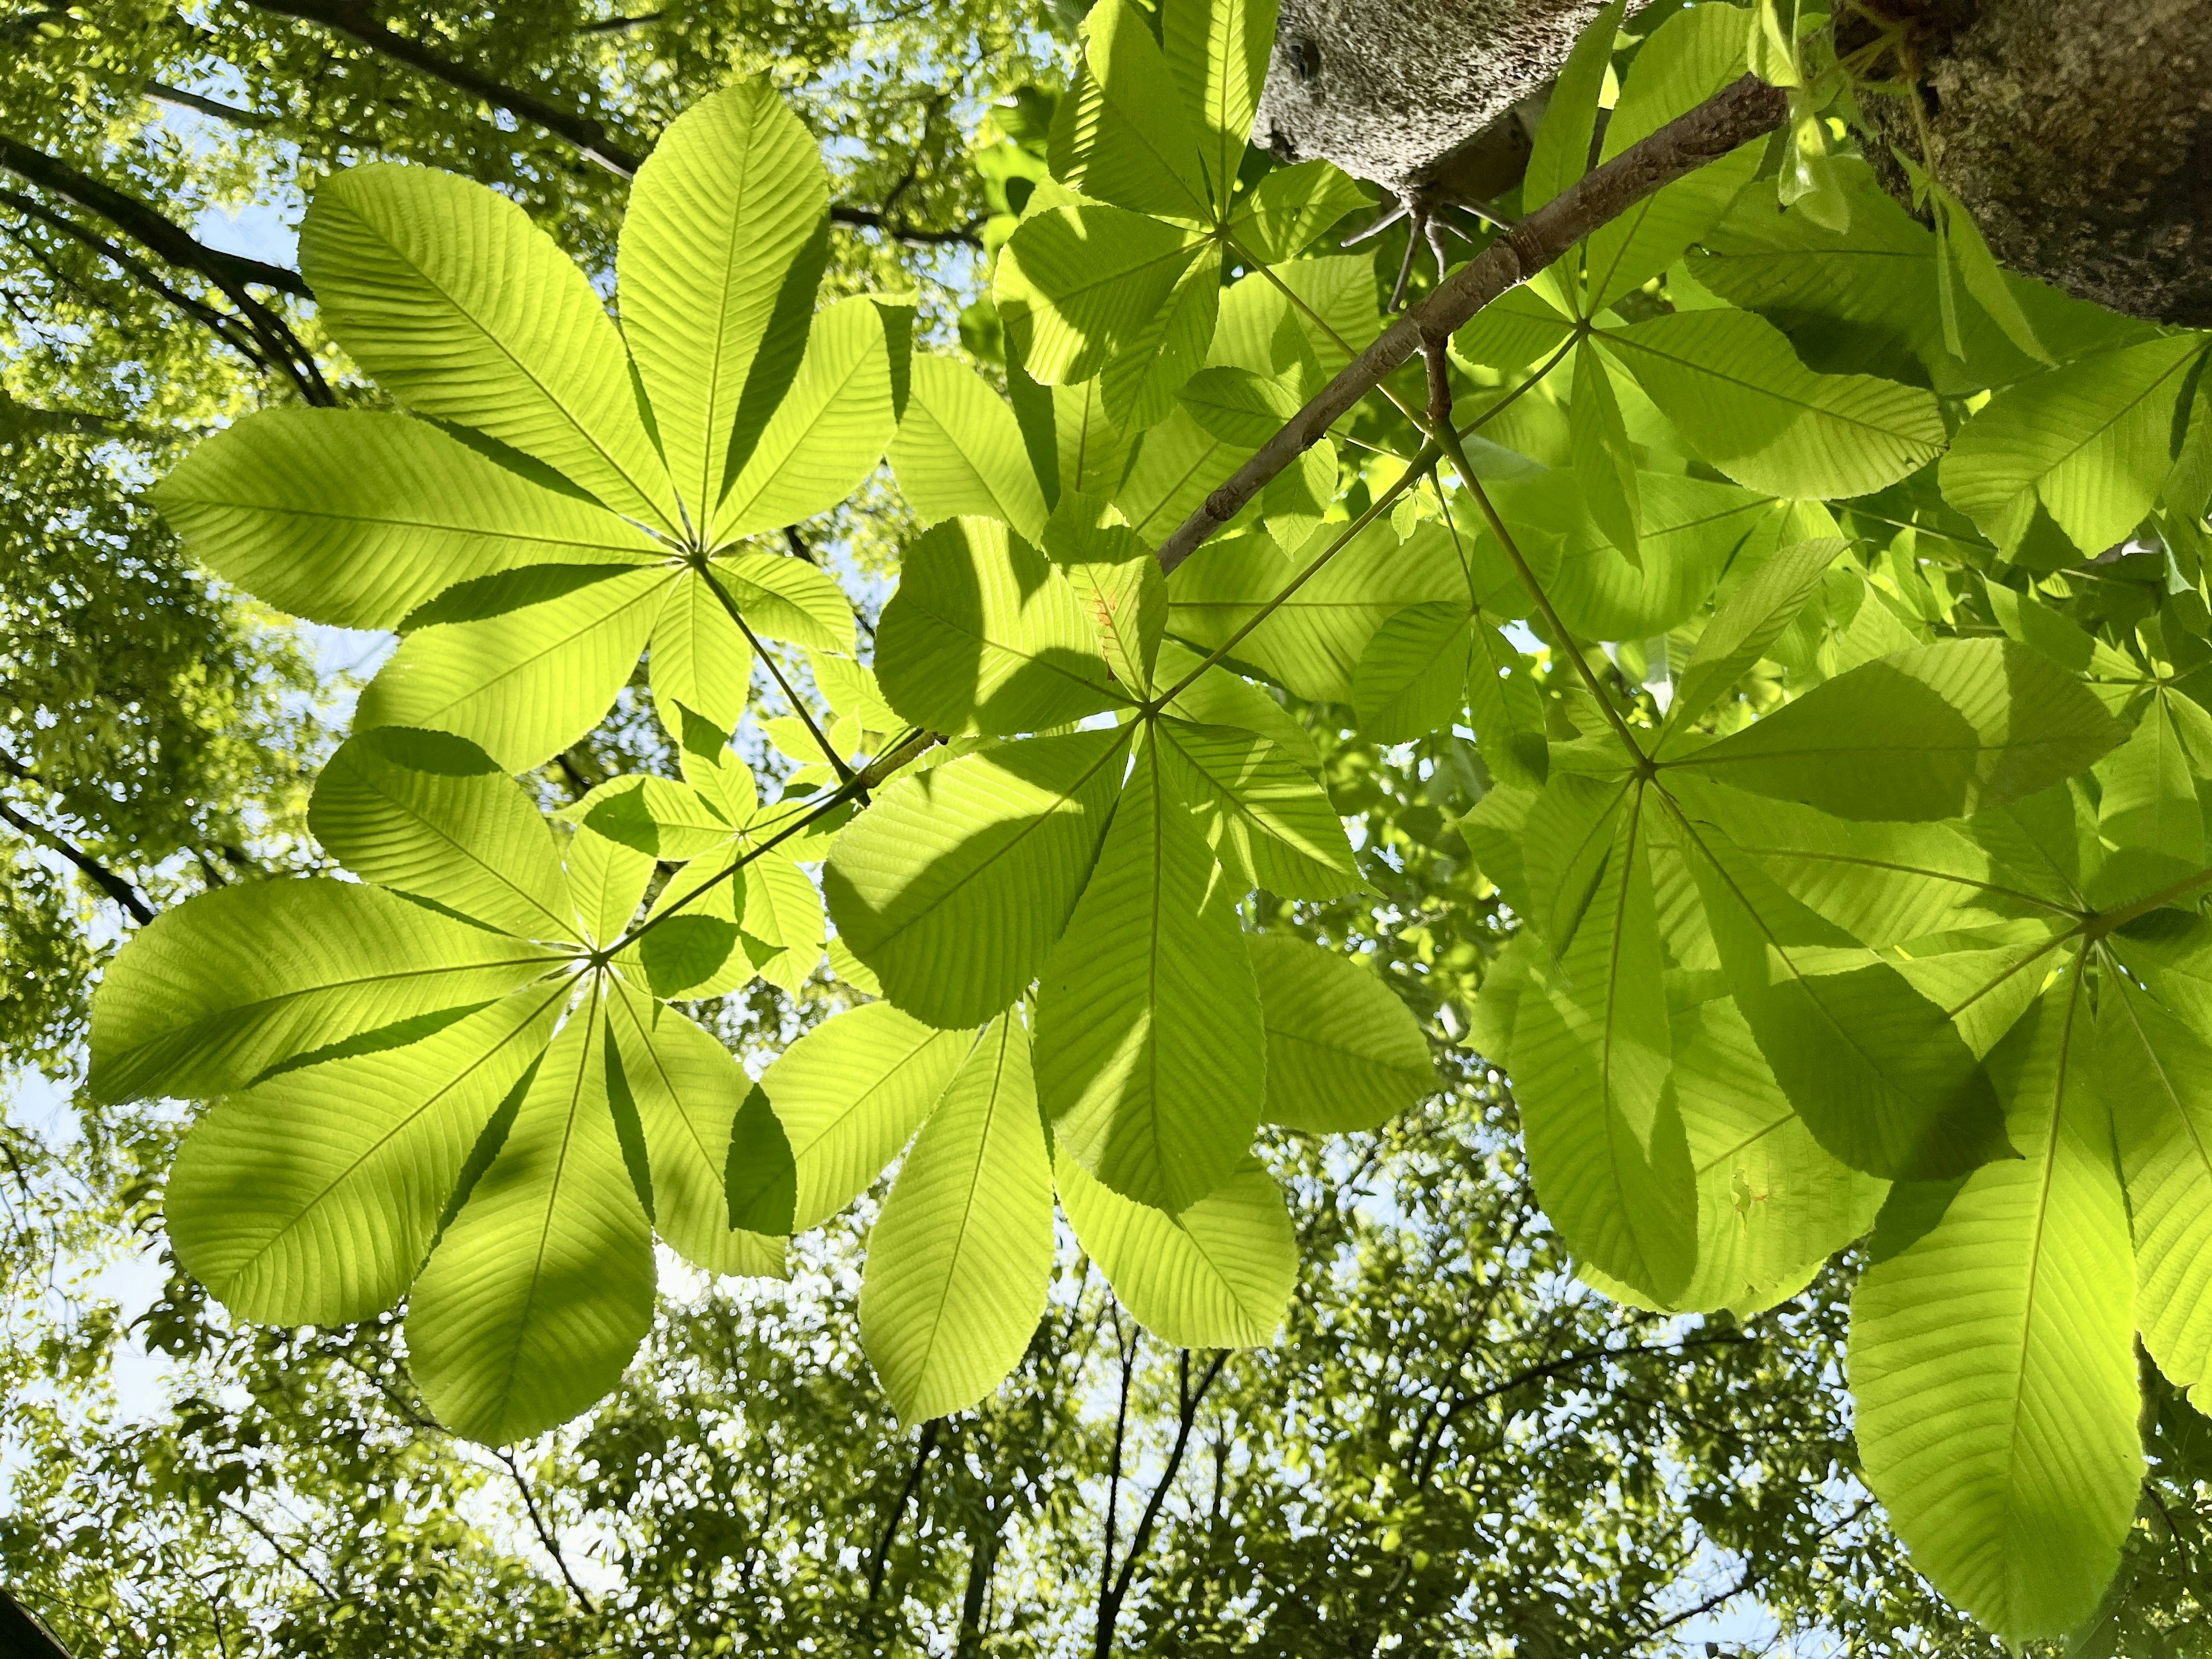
(2079, 132)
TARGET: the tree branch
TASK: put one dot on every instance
(98, 873)
(1740, 114)
(231, 272)
(545, 1534)
(142, 224)
(1187, 1402)
(1107, 1606)
(587, 134)
(882, 1549)
(26, 1634)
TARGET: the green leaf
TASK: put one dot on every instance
(474, 843)
(312, 1199)
(1151, 366)
(1750, 621)
(687, 1088)
(1738, 392)
(1077, 285)
(1561, 154)
(2087, 444)
(1117, 581)
(1239, 406)
(1604, 465)
(1313, 641)
(2155, 1075)
(787, 598)
(1124, 133)
(1961, 248)
(542, 1287)
(355, 517)
(1942, 731)
(1412, 678)
(953, 887)
(960, 1259)
(1878, 1072)
(1282, 216)
(985, 634)
(1218, 1275)
(525, 684)
(212, 994)
(782, 922)
(445, 291)
(608, 881)
(829, 432)
(2148, 803)
(1772, 1202)
(850, 1093)
(1149, 1051)
(700, 659)
(762, 1175)
(1992, 1355)
(1218, 51)
(1591, 1050)
(1344, 1053)
(721, 253)
(1090, 451)
(1513, 331)
(1265, 818)
(1883, 884)
(1177, 465)
(1688, 58)
(959, 451)
(1218, 698)
(1507, 709)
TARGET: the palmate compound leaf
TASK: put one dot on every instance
(1114, 271)
(960, 1258)
(1343, 1052)
(1991, 1350)
(1151, 1056)
(1591, 1050)
(400, 1096)
(1942, 730)
(441, 287)
(987, 635)
(1218, 1275)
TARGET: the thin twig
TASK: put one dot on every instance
(545, 1534)
(101, 876)
(1188, 1401)
(883, 1550)
(1747, 110)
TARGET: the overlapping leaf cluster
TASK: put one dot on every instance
(1826, 607)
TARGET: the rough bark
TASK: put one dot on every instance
(1415, 94)
(2079, 132)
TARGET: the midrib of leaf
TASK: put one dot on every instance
(1213, 446)
(624, 1001)
(470, 855)
(1036, 824)
(1857, 862)
(1806, 981)
(527, 374)
(1751, 1140)
(929, 1036)
(707, 457)
(521, 1029)
(393, 978)
(952, 626)
(829, 403)
(2127, 996)
(1153, 956)
(1564, 935)
(554, 647)
(638, 555)
(2034, 485)
(2024, 963)
(1614, 339)
(1237, 804)
(968, 1204)
(591, 1012)
(1623, 1172)
(1206, 1256)
(1143, 132)
(2043, 1214)
(1182, 251)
